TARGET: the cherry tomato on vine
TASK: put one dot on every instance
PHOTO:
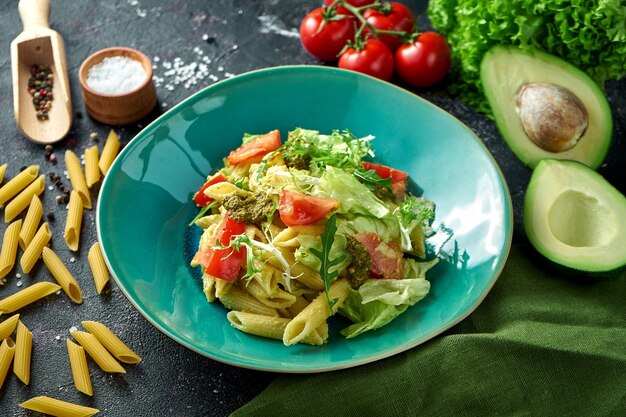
(392, 16)
(355, 3)
(425, 61)
(373, 58)
(324, 33)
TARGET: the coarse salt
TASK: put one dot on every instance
(116, 75)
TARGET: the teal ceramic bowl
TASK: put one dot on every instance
(145, 206)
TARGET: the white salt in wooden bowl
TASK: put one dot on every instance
(118, 108)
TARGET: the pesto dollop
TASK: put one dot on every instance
(251, 209)
(361, 266)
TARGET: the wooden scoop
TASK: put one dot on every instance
(40, 45)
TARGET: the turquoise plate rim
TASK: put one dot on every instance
(280, 368)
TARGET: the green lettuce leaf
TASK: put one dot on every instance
(387, 228)
(394, 292)
(589, 34)
(338, 249)
(354, 197)
(366, 317)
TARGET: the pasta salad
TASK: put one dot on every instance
(295, 232)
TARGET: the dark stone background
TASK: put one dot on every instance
(173, 381)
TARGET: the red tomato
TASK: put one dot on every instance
(424, 62)
(355, 3)
(297, 209)
(384, 171)
(256, 149)
(202, 199)
(395, 17)
(224, 263)
(374, 59)
(324, 38)
(386, 257)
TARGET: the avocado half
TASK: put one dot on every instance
(576, 219)
(546, 108)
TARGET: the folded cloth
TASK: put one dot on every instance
(538, 345)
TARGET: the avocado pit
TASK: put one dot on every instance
(552, 116)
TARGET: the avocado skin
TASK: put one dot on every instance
(577, 274)
(504, 70)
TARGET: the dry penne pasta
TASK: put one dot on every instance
(18, 183)
(23, 351)
(22, 200)
(8, 253)
(98, 353)
(92, 170)
(111, 342)
(74, 221)
(7, 326)
(80, 371)
(265, 326)
(3, 169)
(238, 299)
(98, 267)
(63, 276)
(35, 248)
(309, 319)
(109, 152)
(31, 222)
(77, 178)
(7, 350)
(27, 296)
(58, 408)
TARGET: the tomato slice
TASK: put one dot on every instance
(297, 209)
(224, 263)
(386, 257)
(256, 149)
(202, 199)
(384, 171)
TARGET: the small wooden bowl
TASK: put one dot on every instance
(118, 109)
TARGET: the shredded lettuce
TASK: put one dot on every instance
(386, 228)
(354, 197)
(394, 292)
(366, 317)
(414, 214)
(589, 34)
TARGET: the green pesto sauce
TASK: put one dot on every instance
(251, 209)
(361, 266)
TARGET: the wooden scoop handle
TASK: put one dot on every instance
(34, 13)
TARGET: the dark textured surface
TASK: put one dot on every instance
(242, 36)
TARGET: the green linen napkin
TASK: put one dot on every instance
(538, 345)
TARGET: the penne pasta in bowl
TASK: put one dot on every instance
(275, 287)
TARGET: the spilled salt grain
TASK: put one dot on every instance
(116, 75)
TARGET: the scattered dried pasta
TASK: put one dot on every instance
(31, 222)
(3, 169)
(23, 351)
(58, 408)
(92, 170)
(7, 350)
(77, 178)
(8, 253)
(35, 248)
(7, 326)
(98, 353)
(18, 183)
(74, 221)
(27, 296)
(63, 276)
(98, 267)
(111, 342)
(80, 371)
(109, 152)
(23, 199)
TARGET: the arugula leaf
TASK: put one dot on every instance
(202, 212)
(370, 178)
(328, 237)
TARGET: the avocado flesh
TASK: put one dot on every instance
(505, 70)
(575, 218)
